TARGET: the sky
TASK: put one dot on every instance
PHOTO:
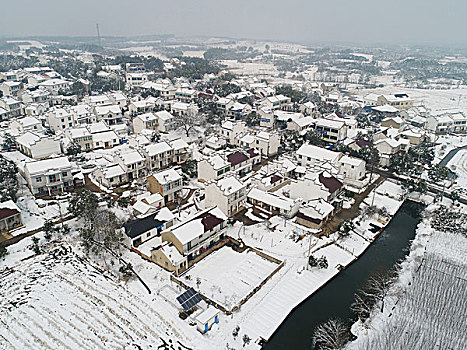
(307, 21)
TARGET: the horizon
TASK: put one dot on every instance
(333, 22)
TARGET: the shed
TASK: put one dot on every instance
(206, 319)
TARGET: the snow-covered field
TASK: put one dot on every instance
(227, 276)
(56, 301)
(458, 164)
(426, 308)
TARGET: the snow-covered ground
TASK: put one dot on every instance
(227, 276)
(446, 143)
(458, 164)
(56, 301)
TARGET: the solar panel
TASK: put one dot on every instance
(189, 299)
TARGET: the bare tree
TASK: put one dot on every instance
(378, 286)
(331, 335)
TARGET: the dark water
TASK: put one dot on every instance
(450, 155)
(334, 299)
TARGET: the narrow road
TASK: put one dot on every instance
(351, 213)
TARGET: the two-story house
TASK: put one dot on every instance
(168, 183)
(158, 155)
(228, 194)
(51, 176)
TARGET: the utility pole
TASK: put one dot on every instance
(309, 251)
(99, 41)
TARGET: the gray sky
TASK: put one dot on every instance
(388, 21)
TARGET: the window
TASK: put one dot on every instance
(65, 173)
(38, 179)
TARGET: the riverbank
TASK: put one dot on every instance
(267, 310)
(425, 307)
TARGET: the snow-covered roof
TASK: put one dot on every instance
(44, 165)
(385, 109)
(146, 117)
(109, 135)
(131, 157)
(178, 144)
(164, 115)
(78, 132)
(167, 176)
(113, 171)
(217, 162)
(334, 124)
(351, 160)
(28, 121)
(318, 153)
(303, 122)
(272, 199)
(102, 110)
(229, 185)
(157, 148)
(207, 315)
(164, 214)
(197, 224)
(28, 139)
(98, 127)
(317, 209)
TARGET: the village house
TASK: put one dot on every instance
(266, 143)
(185, 95)
(228, 194)
(83, 114)
(54, 86)
(81, 137)
(273, 203)
(59, 119)
(146, 121)
(158, 155)
(168, 183)
(268, 181)
(331, 130)
(135, 79)
(143, 229)
(10, 108)
(26, 124)
(111, 114)
(51, 176)
(37, 146)
(393, 122)
(140, 107)
(147, 203)
(10, 216)
(194, 237)
(231, 130)
(165, 121)
(11, 88)
(317, 185)
(132, 162)
(110, 176)
(388, 147)
(212, 168)
(314, 214)
(400, 101)
(181, 109)
(278, 102)
(181, 151)
(105, 139)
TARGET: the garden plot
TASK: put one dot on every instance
(227, 276)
